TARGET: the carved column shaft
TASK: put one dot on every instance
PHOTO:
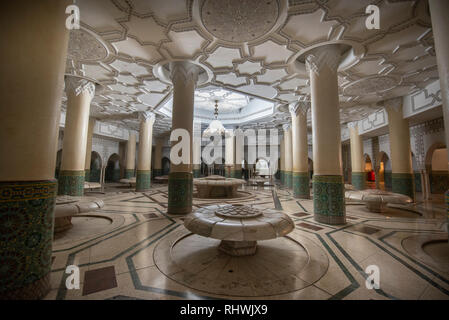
(143, 176)
(130, 156)
(328, 182)
(80, 93)
(34, 52)
(300, 149)
(90, 134)
(358, 176)
(184, 77)
(288, 156)
(229, 154)
(402, 177)
(157, 170)
(282, 156)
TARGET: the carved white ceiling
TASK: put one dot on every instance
(251, 47)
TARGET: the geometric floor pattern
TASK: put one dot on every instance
(113, 249)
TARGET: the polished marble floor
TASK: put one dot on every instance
(126, 251)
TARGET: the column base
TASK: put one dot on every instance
(71, 182)
(300, 182)
(358, 180)
(129, 173)
(403, 183)
(26, 234)
(288, 179)
(196, 173)
(180, 190)
(237, 174)
(87, 175)
(329, 199)
(143, 180)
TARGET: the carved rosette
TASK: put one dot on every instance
(75, 86)
(326, 56)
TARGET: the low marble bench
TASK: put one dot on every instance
(377, 200)
(68, 206)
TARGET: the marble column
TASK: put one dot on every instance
(157, 170)
(300, 149)
(282, 155)
(184, 76)
(196, 170)
(80, 93)
(130, 156)
(402, 176)
(239, 147)
(358, 176)
(143, 175)
(34, 51)
(328, 182)
(90, 134)
(229, 154)
(440, 29)
(288, 156)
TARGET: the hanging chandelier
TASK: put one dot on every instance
(215, 128)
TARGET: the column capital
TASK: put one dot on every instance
(183, 71)
(286, 127)
(147, 116)
(353, 125)
(394, 104)
(299, 107)
(320, 57)
(76, 86)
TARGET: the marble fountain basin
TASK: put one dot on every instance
(217, 187)
(239, 227)
(376, 200)
(130, 181)
(68, 206)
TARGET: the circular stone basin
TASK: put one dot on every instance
(377, 200)
(239, 227)
(260, 182)
(91, 185)
(130, 181)
(217, 186)
(68, 206)
(161, 179)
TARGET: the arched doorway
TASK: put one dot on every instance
(95, 167)
(437, 168)
(58, 163)
(165, 166)
(384, 171)
(369, 172)
(112, 173)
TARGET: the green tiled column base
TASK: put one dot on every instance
(129, 173)
(157, 172)
(329, 199)
(282, 176)
(71, 182)
(196, 173)
(143, 180)
(238, 174)
(180, 190)
(403, 183)
(300, 182)
(26, 234)
(358, 180)
(288, 179)
(87, 175)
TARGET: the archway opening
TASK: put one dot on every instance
(369, 171)
(95, 167)
(165, 166)
(437, 166)
(112, 173)
(262, 167)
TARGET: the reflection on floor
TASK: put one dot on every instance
(124, 252)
